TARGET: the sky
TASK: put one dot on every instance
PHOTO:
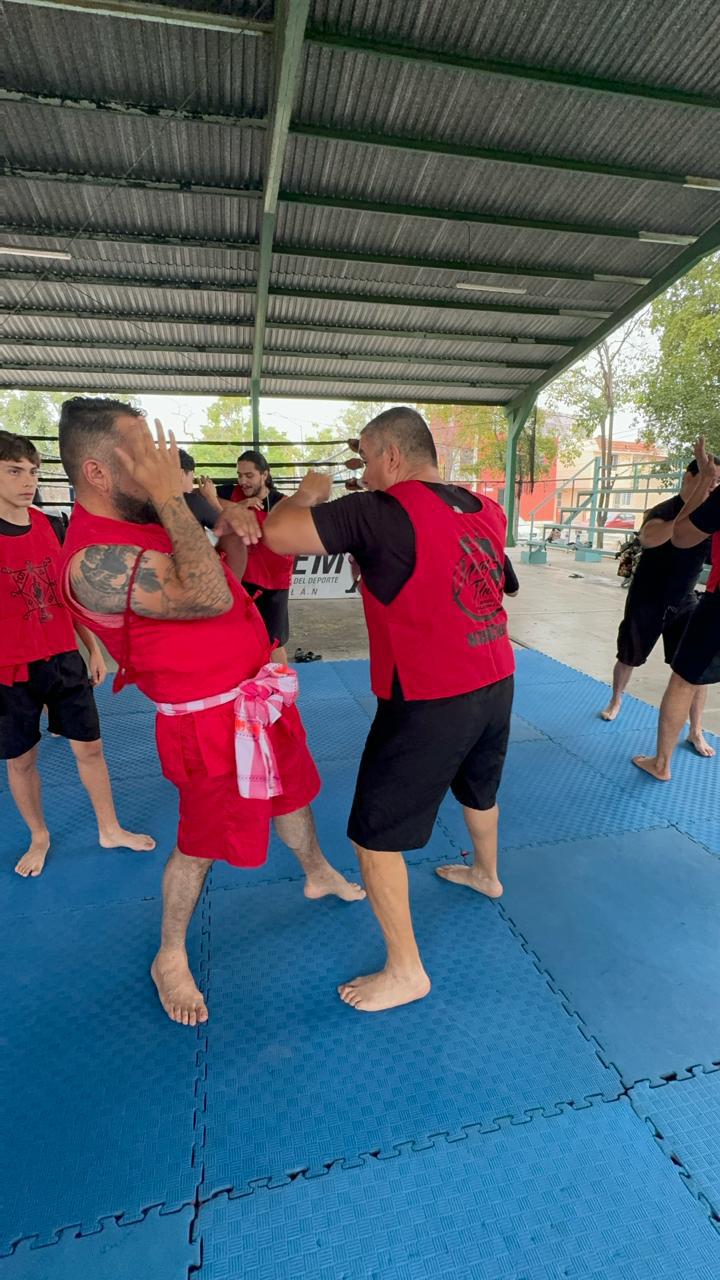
(296, 418)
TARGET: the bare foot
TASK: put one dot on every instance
(461, 874)
(32, 862)
(176, 988)
(118, 838)
(384, 990)
(701, 744)
(322, 883)
(650, 765)
(611, 710)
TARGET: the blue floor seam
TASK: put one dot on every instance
(660, 821)
(690, 1180)
(409, 1146)
(681, 1073)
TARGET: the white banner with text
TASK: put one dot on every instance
(326, 577)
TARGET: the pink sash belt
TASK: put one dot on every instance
(259, 703)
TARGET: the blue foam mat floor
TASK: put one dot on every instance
(568, 1050)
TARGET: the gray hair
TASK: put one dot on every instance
(407, 430)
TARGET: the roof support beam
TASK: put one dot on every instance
(120, 182)
(290, 19)
(84, 235)
(499, 67)
(425, 146)
(235, 375)
(131, 282)
(69, 385)
(444, 304)
(703, 246)
(203, 20)
(483, 219)
(283, 326)
(143, 110)
(403, 358)
(496, 155)
(375, 299)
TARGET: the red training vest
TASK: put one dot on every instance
(713, 582)
(170, 661)
(174, 661)
(265, 568)
(445, 633)
(35, 623)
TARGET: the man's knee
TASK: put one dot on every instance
(87, 752)
(24, 764)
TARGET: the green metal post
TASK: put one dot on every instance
(594, 499)
(255, 407)
(290, 19)
(516, 420)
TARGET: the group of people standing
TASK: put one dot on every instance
(200, 628)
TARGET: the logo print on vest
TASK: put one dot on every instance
(36, 587)
(476, 587)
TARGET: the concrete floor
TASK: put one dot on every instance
(572, 619)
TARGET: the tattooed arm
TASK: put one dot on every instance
(190, 583)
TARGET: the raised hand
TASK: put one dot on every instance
(207, 488)
(707, 470)
(154, 465)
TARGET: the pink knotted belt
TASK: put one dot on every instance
(259, 702)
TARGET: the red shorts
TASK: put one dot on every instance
(197, 753)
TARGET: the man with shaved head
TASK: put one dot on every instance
(441, 664)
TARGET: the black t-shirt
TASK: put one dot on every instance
(9, 530)
(378, 532)
(202, 510)
(667, 574)
(707, 516)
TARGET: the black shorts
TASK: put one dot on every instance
(698, 656)
(644, 624)
(272, 605)
(416, 751)
(62, 685)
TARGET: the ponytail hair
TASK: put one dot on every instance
(260, 461)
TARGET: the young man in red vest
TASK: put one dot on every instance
(696, 663)
(441, 665)
(140, 570)
(40, 664)
(267, 577)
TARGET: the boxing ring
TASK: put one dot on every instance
(552, 1109)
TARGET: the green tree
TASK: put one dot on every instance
(679, 395)
(472, 439)
(31, 413)
(594, 390)
(229, 425)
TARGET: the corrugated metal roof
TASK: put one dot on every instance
(648, 41)
(161, 66)
(448, 182)
(151, 104)
(383, 233)
(360, 92)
